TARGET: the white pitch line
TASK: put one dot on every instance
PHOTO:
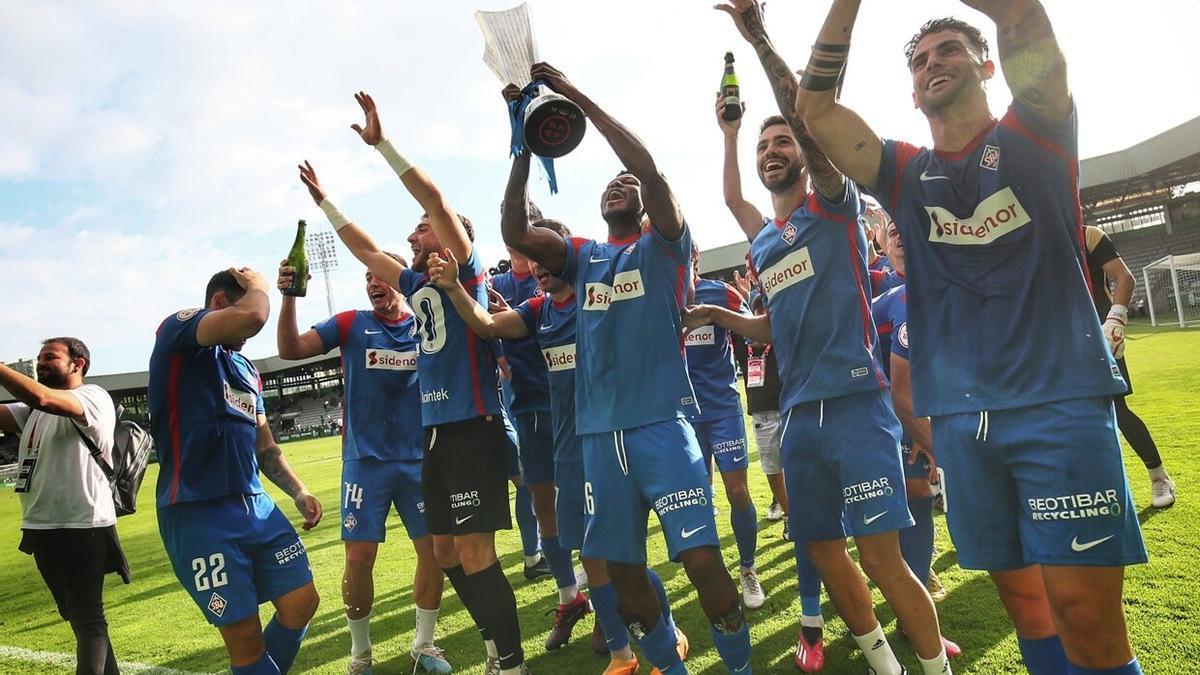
(68, 661)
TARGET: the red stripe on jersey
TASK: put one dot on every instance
(884, 328)
(578, 242)
(1013, 123)
(864, 303)
(877, 278)
(733, 298)
(344, 320)
(535, 304)
(681, 300)
(904, 154)
(473, 360)
(173, 416)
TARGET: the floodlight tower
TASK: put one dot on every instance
(321, 248)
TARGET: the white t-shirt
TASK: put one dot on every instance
(60, 485)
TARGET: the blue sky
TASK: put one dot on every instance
(150, 144)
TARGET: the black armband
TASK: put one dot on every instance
(826, 67)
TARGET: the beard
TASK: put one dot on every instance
(52, 378)
(782, 183)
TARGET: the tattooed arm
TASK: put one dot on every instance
(275, 467)
(851, 145)
(1033, 64)
(747, 16)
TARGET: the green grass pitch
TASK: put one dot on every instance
(152, 621)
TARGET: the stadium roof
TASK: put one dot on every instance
(140, 380)
(1143, 173)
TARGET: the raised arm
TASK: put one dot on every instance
(243, 319)
(293, 345)
(657, 198)
(505, 324)
(538, 243)
(276, 468)
(37, 396)
(442, 218)
(361, 245)
(748, 217)
(1033, 63)
(747, 16)
(846, 139)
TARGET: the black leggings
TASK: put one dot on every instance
(73, 563)
(1134, 430)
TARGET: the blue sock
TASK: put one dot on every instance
(1131, 668)
(604, 601)
(745, 532)
(659, 646)
(810, 582)
(526, 520)
(916, 542)
(664, 603)
(560, 561)
(282, 643)
(734, 648)
(1043, 656)
(263, 666)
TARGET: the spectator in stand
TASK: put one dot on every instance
(68, 521)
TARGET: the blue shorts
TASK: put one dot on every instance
(570, 504)
(233, 554)
(369, 487)
(629, 473)
(843, 456)
(512, 445)
(536, 447)
(1042, 484)
(723, 439)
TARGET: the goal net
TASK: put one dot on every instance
(1172, 286)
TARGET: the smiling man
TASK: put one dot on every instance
(1008, 358)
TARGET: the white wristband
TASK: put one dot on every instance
(394, 159)
(1120, 312)
(335, 217)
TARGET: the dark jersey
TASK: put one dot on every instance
(1100, 251)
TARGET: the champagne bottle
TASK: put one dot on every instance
(731, 91)
(298, 260)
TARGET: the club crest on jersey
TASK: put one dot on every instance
(789, 234)
(186, 314)
(388, 359)
(629, 251)
(990, 158)
(995, 217)
(560, 358)
(217, 604)
(625, 286)
(902, 335)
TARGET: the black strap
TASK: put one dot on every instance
(95, 452)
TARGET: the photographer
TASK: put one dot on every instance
(67, 515)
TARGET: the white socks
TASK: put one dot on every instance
(490, 645)
(878, 652)
(938, 665)
(360, 635)
(426, 621)
(812, 621)
(1158, 472)
(567, 594)
(531, 560)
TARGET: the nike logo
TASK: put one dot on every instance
(591, 259)
(460, 521)
(507, 656)
(739, 458)
(372, 332)
(1080, 548)
(685, 533)
(926, 177)
(743, 668)
(871, 519)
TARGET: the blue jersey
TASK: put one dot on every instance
(882, 282)
(530, 388)
(710, 355)
(813, 269)
(881, 264)
(890, 312)
(457, 369)
(1001, 311)
(204, 407)
(630, 366)
(381, 410)
(552, 326)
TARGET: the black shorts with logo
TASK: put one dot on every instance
(465, 477)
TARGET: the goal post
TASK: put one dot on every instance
(1172, 286)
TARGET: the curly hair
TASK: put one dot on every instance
(975, 38)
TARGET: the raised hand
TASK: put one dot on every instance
(742, 284)
(728, 128)
(443, 269)
(249, 279)
(695, 317)
(747, 16)
(496, 302)
(309, 177)
(511, 93)
(554, 79)
(310, 509)
(373, 132)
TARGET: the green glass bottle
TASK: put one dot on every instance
(731, 91)
(298, 260)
